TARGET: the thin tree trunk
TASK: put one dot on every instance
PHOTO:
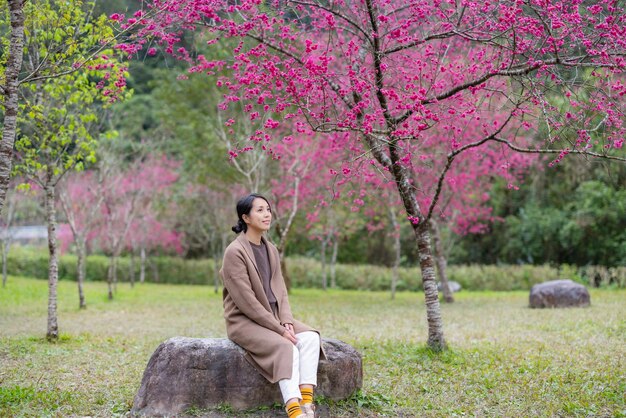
(8, 238)
(10, 94)
(81, 250)
(397, 251)
(110, 273)
(155, 272)
(333, 263)
(142, 265)
(53, 267)
(115, 259)
(4, 265)
(218, 259)
(284, 232)
(216, 268)
(285, 271)
(283, 268)
(131, 277)
(5, 254)
(323, 259)
(441, 262)
(281, 255)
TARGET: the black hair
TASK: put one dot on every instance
(244, 206)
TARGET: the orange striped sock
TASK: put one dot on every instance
(293, 409)
(307, 395)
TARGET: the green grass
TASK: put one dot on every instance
(505, 360)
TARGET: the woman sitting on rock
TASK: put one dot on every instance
(258, 315)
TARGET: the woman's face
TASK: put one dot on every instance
(260, 216)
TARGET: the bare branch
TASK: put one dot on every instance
(442, 35)
(454, 154)
(557, 151)
(320, 5)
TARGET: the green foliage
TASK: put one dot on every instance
(306, 272)
(502, 277)
(574, 213)
(32, 262)
(197, 141)
(590, 228)
(73, 75)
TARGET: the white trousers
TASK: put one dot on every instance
(306, 355)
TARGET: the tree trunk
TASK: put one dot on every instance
(433, 308)
(142, 265)
(5, 255)
(53, 267)
(110, 273)
(283, 233)
(406, 190)
(397, 251)
(10, 94)
(155, 272)
(441, 262)
(81, 250)
(333, 263)
(131, 272)
(323, 260)
(283, 268)
(219, 257)
(216, 267)
(281, 254)
(114, 268)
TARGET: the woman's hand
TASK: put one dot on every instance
(290, 333)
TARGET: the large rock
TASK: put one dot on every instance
(209, 372)
(559, 294)
(454, 286)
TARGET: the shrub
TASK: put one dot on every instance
(307, 272)
(33, 262)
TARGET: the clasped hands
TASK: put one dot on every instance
(290, 333)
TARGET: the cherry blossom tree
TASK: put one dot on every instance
(128, 193)
(204, 215)
(153, 230)
(81, 200)
(389, 71)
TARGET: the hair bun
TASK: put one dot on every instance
(241, 226)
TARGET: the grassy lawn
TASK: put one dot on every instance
(506, 360)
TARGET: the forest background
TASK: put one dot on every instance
(169, 128)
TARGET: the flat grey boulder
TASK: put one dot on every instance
(205, 373)
(559, 294)
(454, 286)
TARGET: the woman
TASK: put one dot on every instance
(257, 312)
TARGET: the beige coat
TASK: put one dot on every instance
(249, 318)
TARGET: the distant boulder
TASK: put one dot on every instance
(454, 286)
(205, 373)
(559, 294)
